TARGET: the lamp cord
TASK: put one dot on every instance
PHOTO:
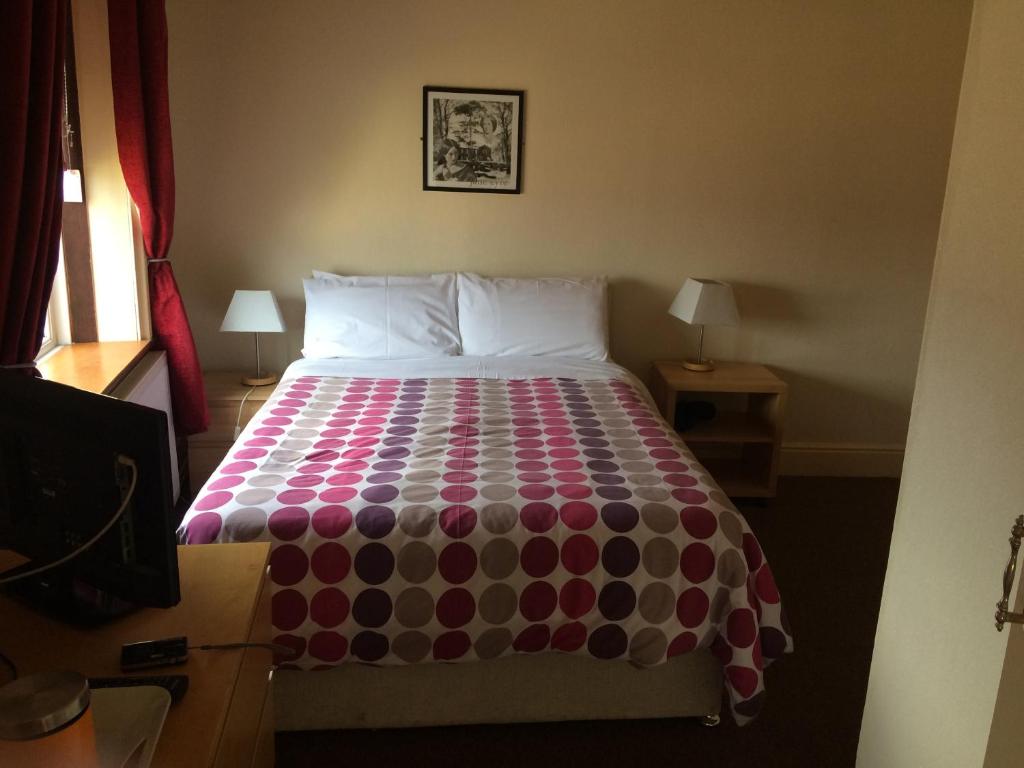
(241, 405)
(126, 461)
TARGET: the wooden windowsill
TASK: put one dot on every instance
(96, 366)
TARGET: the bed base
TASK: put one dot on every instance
(547, 687)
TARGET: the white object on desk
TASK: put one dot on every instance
(128, 722)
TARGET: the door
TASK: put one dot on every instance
(938, 660)
(1006, 740)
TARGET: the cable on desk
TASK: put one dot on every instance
(283, 650)
(5, 578)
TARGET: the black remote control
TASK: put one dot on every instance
(176, 685)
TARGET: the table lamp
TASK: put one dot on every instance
(254, 312)
(704, 302)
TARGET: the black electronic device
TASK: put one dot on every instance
(154, 653)
(68, 462)
(176, 685)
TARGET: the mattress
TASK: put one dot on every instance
(461, 509)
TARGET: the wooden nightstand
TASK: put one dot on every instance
(224, 395)
(740, 445)
(227, 716)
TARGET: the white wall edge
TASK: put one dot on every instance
(147, 384)
(842, 459)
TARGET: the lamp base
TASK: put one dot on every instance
(261, 379)
(42, 703)
(701, 366)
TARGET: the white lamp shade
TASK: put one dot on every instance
(705, 302)
(253, 311)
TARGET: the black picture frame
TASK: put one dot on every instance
(472, 140)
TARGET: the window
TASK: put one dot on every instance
(56, 330)
(100, 290)
(71, 310)
(49, 342)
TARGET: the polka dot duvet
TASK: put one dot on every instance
(467, 508)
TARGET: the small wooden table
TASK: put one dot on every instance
(230, 403)
(740, 446)
(226, 718)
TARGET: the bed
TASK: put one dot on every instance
(533, 515)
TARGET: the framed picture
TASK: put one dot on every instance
(472, 140)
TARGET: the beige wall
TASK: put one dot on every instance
(937, 657)
(796, 149)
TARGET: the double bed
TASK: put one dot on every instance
(455, 472)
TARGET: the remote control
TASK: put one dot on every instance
(176, 685)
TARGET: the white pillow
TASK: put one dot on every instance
(566, 317)
(380, 317)
(382, 279)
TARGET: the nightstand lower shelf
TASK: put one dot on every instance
(731, 427)
(738, 479)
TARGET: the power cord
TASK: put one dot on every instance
(123, 460)
(238, 419)
(275, 647)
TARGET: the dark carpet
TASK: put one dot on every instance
(828, 542)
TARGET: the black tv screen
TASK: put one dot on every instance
(63, 474)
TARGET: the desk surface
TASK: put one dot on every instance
(220, 589)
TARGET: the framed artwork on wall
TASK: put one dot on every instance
(472, 140)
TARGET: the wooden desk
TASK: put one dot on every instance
(226, 718)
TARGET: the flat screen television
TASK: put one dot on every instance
(69, 461)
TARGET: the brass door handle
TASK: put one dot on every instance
(1003, 614)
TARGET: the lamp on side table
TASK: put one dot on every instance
(254, 312)
(704, 302)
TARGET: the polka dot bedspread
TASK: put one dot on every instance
(457, 519)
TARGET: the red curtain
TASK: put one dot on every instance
(138, 64)
(32, 38)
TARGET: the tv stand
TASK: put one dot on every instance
(226, 718)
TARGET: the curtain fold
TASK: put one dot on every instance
(32, 40)
(138, 63)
